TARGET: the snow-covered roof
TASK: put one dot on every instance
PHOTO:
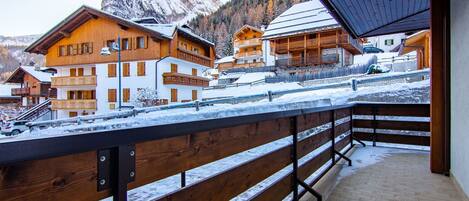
(225, 59)
(17, 75)
(166, 30)
(309, 16)
(231, 75)
(252, 77)
(41, 76)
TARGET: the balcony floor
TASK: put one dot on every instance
(388, 174)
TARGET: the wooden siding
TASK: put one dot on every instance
(98, 31)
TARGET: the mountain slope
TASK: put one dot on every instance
(12, 55)
(220, 25)
(166, 11)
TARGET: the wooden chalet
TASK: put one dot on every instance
(247, 43)
(420, 43)
(35, 85)
(307, 35)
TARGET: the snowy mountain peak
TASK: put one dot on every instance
(168, 11)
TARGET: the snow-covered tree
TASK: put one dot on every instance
(146, 97)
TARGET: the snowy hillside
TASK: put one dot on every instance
(12, 53)
(18, 40)
(167, 11)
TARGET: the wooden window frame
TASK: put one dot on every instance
(141, 68)
(93, 71)
(112, 95)
(139, 45)
(126, 70)
(73, 72)
(127, 46)
(111, 70)
(80, 72)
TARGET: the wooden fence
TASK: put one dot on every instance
(92, 166)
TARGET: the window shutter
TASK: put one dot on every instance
(126, 95)
(174, 68)
(174, 95)
(90, 48)
(126, 72)
(146, 42)
(194, 72)
(111, 70)
(141, 69)
(111, 95)
(194, 95)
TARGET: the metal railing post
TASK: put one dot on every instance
(269, 93)
(354, 84)
(183, 179)
(294, 156)
(374, 125)
(333, 136)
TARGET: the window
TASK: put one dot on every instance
(140, 42)
(111, 95)
(70, 50)
(93, 70)
(389, 42)
(174, 95)
(80, 71)
(73, 72)
(141, 68)
(126, 95)
(62, 50)
(194, 72)
(194, 95)
(174, 68)
(72, 114)
(111, 70)
(126, 70)
(86, 48)
(196, 50)
(125, 44)
(109, 43)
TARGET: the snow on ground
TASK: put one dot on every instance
(5, 89)
(252, 77)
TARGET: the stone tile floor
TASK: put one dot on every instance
(389, 174)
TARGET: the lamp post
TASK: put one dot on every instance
(105, 51)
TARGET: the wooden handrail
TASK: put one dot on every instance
(165, 150)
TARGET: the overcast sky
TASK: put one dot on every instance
(27, 17)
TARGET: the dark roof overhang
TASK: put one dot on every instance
(366, 18)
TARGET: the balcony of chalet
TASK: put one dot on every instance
(254, 53)
(74, 81)
(74, 104)
(248, 43)
(42, 89)
(184, 79)
(194, 57)
(346, 152)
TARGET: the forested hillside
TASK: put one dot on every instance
(220, 25)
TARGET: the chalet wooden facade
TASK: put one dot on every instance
(300, 40)
(87, 81)
(420, 43)
(35, 85)
(247, 43)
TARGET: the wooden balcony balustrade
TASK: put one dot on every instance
(248, 43)
(184, 79)
(74, 81)
(24, 91)
(249, 65)
(307, 61)
(109, 163)
(62, 104)
(194, 57)
(296, 45)
(248, 54)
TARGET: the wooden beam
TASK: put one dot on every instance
(123, 27)
(440, 87)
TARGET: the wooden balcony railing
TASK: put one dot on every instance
(20, 91)
(74, 104)
(249, 65)
(183, 79)
(296, 45)
(307, 61)
(248, 54)
(74, 81)
(347, 39)
(99, 164)
(194, 57)
(248, 43)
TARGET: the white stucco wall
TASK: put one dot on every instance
(460, 93)
(379, 41)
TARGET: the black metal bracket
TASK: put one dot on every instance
(310, 190)
(344, 157)
(359, 141)
(115, 166)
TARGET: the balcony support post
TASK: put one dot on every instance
(333, 136)
(374, 125)
(294, 156)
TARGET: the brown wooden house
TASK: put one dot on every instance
(35, 85)
(307, 35)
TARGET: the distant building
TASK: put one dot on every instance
(165, 58)
(34, 85)
(420, 43)
(225, 63)
(248, 48)
(387, 42)
(306, 35)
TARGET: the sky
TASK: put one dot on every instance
(28, 17)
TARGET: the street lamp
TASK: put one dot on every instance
(106, 51)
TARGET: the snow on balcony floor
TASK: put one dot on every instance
(382, 173)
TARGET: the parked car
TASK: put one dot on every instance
(371, 49)
(13, 128)
(376, 68)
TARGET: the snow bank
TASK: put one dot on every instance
(248, 90)
(252, 77)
